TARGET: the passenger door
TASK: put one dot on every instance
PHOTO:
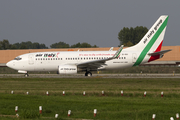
(31, 59)
(134, 57)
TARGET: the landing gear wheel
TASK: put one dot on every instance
(89, 74)
(26, 75)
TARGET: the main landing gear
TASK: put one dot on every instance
(88, 73)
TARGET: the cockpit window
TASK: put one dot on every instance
(17, 58)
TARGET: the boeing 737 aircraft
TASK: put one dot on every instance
(70, 62)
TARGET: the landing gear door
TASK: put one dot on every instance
(134, 57)
(31, 59)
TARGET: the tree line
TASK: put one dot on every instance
(127, 37)
(4, 45)
(131, 36)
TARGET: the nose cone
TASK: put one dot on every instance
(9, 64)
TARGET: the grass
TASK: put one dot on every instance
(132, 106)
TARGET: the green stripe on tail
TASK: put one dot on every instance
(150, 44)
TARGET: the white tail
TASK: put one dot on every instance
(154, 36)
(152, 41)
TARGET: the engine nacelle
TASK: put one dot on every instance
(22, 71)
(67, 69)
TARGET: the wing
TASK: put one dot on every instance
(98, 63)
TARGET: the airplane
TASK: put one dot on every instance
(70, 62)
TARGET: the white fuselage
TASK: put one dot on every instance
(49, 61)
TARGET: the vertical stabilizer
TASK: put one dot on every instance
(152, 41)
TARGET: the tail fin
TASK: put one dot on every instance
(153, 39)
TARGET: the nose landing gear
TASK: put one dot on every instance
(26, 75)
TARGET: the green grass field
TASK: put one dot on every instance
(112, 106)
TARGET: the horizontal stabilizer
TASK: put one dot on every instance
(159, 53)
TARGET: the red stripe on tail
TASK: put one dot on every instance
(152, 58)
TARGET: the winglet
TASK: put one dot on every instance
(111, 49)
(118, 52)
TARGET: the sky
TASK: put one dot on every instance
(96, 22)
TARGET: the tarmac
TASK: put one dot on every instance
(128, 75)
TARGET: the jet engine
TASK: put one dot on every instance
(67, 69)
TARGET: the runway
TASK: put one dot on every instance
(93, 76)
